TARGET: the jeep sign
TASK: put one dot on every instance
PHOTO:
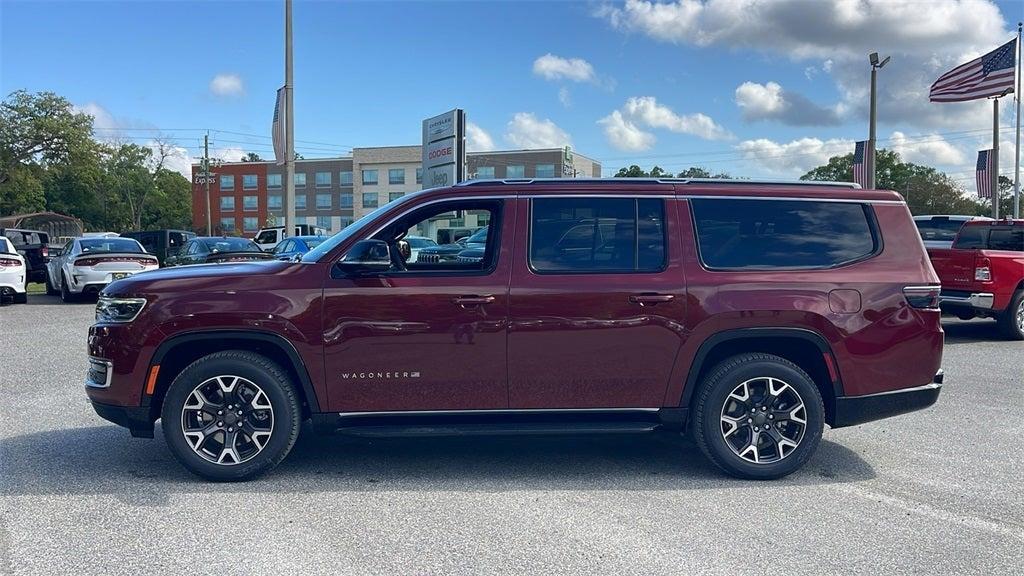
(444, 153)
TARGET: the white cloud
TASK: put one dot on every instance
(647, 111)
(228, 154)
(551, 67)
(827, 65)
(103, 120)
(771, 102)
(178, 159)
(525, 130)
(477, 139)
(227, 84)
(930, 150)
(623, 134)
(564, 97)
(793, 158)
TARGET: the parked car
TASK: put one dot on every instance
(939, 231)
(268, 238)
(161, 243)
(450, 252)
(86, 265)
(417, 243)
(217, 250)
(982, 275)
(13, 279)
(33, 245)
(289, 248)
(748, 314)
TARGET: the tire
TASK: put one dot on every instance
(50, 290)
(1011, 321)
(66, 295)
(728, 444)
(197, 436)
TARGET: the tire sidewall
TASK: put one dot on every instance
(269, 377)
(722, 384)
(1009, 321)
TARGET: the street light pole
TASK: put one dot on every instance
(289, 138)
(875, 66)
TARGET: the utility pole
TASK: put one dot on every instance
(206, 178)
(875, 66)
(289, 130)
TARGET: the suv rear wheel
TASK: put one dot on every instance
(758, 416)
(231, 416)
(1011, 322)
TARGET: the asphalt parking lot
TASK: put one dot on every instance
(933, 492)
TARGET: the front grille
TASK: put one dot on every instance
(428, 258)
(99, 373)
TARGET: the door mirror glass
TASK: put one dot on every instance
(404, 250)
(366, 257)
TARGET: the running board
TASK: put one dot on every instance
(528, 428)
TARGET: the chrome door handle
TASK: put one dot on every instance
(650, 299)
(472, 300)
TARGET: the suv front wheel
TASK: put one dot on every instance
(231, 416)
(758, 416)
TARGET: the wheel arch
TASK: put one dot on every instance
(176, 353)
(806, 348)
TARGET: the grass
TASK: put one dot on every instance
(36, 288)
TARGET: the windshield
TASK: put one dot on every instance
(346, 233)
(231, 245)
(418, 242)
(314, 242)
(479, 237)
(94, 245)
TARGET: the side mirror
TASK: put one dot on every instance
(366, 257)
(404, 250)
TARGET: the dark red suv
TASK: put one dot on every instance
(747, 313)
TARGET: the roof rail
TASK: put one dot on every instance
(607, 181)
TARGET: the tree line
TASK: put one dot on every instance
(50, 160)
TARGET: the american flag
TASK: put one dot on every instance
(983, 173)
(277, 128)
(990, 75)
(861, 163)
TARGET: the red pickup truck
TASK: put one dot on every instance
(983, 273)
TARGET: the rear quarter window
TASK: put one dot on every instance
(783, 234)
(1011, 239)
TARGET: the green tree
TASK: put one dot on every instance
(252, 157)
(633, 171)
(171, 203)
(697, 172)
(22, 191)
(40, 128)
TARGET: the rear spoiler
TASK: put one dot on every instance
(122, 256)
(238, 254)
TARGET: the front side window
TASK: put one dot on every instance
(250, 203)
(515, 171)
(396, 176)
(323, 179)
(250, 224)
(345, 177)
(273, 180)
(227, 225)
(782, 234)
(274, 202)
(267, 237)
(227, 182)
(545, 171)
(433, 247)
(595, 235)
(249, 181)
(227, 203)
(485, 172)
(300, 179)
(323, 201)
(369, 199)
(369, 177)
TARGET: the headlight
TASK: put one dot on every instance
(118, 309)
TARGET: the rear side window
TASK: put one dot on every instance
(1006, 239)
(971, 237)
(580, 235)
(782, 234)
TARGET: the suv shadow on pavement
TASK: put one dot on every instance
(97, 460)
(971, 331)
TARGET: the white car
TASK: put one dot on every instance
(417, 243)
(938, 231)
(87, 265)
(12, 273)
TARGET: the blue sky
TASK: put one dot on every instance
(726, 84)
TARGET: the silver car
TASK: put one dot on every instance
(938, 231)
(87, 265)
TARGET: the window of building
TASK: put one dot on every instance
(346, 201)
(324, 222)
(485, 172)
(323, 179)
(346, 220)
(300, 201)
(227, 182)
(250, 203)
(573, 235)
(419, 175)
(345, 177)
(249, 181)
(300, 179)
(273, 180)
(392, 196)
(396, 176)
(787, 234)
(274, 202)
(250, 224)
(369, 199)
(515, 171)
(545, 171)
(227, 204)
(323, 201)
(227, 225)
(369, 177)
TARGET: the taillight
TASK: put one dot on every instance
(922, 297)
(46, 252)
(9, 262)
(87, 262)
(982, 270)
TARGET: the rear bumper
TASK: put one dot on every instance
(134, 418)
(965, 299)
(853, 410)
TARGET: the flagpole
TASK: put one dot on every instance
(1016, 168)
(289, 138)
(995, 158)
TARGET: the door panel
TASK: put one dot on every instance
(419, 341)
(594, 340)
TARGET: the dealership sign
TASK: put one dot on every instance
(444, 151)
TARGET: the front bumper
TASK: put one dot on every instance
(964, 299)
(134, 418)
(853, 410)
